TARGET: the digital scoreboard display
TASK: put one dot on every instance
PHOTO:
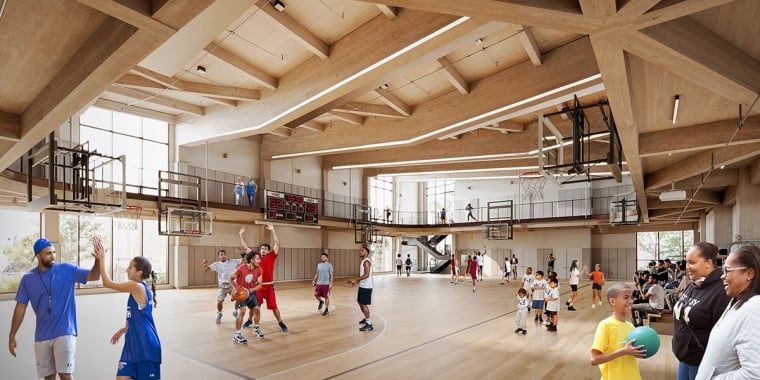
(291, 207)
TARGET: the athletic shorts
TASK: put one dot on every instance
(266, 293)
(596, 286)
(398, 268)
(55, 355)
(224, 289)
(550, 313)
(574, 287)
(538, 304)
(364, 297)
(140, 371)
(322, 291)
(474, 275)
(250, 303)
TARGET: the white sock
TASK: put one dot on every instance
(368, 321)
(237, 331)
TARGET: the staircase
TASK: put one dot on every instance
(428, 246)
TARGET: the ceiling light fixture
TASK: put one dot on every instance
(673, 194)
(676, 103)
(200, 69)
(384, 86)
(279, 5)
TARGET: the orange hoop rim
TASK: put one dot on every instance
(531, 175)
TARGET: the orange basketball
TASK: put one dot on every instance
(240, 294)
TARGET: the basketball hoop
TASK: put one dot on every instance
(128, 218)
(532, 184)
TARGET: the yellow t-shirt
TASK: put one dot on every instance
(610, 336)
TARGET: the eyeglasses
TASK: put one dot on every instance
(731, 269)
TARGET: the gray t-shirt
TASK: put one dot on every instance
(323, 273)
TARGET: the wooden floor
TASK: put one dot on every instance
(425, 328)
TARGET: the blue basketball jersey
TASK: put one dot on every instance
(141, 343)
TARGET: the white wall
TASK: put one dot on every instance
(613, 240)
(242, 157)
(306, 171)
(346, 182)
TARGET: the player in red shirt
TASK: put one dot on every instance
(266, 293)
(248, 276)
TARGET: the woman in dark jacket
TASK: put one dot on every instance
(697, 309)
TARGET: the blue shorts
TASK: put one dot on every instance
(538, 305)
(140, 371)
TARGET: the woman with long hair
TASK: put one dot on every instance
(573, 278)
(141, 356)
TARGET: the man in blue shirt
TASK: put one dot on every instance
(50, 289)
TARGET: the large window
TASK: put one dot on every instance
(145, 142)
(17, 238)
(381, 195)
(439, 195)
(671, 245)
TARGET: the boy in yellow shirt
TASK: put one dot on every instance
(616, 358)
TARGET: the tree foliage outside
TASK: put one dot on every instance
(671, 245)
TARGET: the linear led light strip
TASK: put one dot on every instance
(482, 170)
(354, 77)
(488, 157)
(480, 178)
(590, 90)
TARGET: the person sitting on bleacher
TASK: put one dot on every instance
(656, 302)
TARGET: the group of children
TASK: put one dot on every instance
(615, 357)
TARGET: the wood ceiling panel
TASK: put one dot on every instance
(261, 41)
(217, 72)
(332, 20)
(502, 47)
(737, 23)
(33, 53)
(654, 97)
(132, 102)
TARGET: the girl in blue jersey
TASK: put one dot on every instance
(141, 356)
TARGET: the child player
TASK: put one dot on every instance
(522, 311)
(616, 358)
(538, 287)
(551, 299)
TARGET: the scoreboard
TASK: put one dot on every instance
(291, 207)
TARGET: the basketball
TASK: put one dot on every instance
(647, 337)
(240, 294)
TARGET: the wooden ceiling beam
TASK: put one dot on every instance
(348, 117)
(140, 111)
(387, 10)
(700, 163)
(688, 49)
(112, 49)
(10, 126)
(692, 214)
(453, 76)
(313, 126)
(703, 136)
(615, 69)
(393, 101)
(718, 178)
(625, 22)
(145, 78)
(598, 8)
(147, 97)
(366, 109)
(556, 15)
(298, 32)
(754, 172)
(529, 44)
(136, 13)
(503, 88)
(282, 132)
(257, 74)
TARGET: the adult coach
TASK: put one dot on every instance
(223, 268)
(323, 282)
(50, 288)
(266, 293)
(364, 297)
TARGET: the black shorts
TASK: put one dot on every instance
(596, 286)
(574, 287)
(550, 313)
(364, 297)
(398, 267)
(251, 302)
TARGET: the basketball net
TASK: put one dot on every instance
(532, 184)
(128, 218)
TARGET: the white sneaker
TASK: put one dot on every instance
(218, 317)
(593, 306)
(258, 333)
(239, 338)
(600, 303)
